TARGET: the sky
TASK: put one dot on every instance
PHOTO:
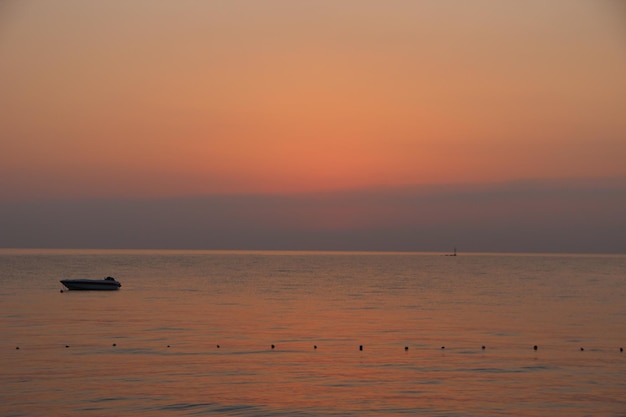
(348, 125)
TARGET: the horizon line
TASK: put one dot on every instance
(4, 250)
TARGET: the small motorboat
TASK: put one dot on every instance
(106, 284)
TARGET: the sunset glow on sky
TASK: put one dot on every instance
(169, 98)
(151, 99)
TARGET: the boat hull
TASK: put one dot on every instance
(91, 284)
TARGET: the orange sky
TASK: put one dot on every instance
(149, 98)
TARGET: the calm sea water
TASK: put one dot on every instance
(191, 334)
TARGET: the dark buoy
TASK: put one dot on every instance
(314, 346)
(621, 349)
(61, 291)
(273, 346)
(168, 346)
(406, 348)
(360, 347)
(535, 347)
(17, 348)
(114, 344)
(483, 347)
(443, 347)
(218, 346)
(582, 349)
(67, 346)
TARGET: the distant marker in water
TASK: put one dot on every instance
(443, 347)
(114, 344)
(360, 347)
(582, 349)
(67, 346)
(314, 346)
(621, 349)
(17, 348)
(218, 346)
(483, 347)
(406, 348)
(273, 346)
(535, 347)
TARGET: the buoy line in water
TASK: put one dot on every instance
(361, 348)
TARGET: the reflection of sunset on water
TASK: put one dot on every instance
(203, 332)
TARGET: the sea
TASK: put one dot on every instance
(253, 333)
